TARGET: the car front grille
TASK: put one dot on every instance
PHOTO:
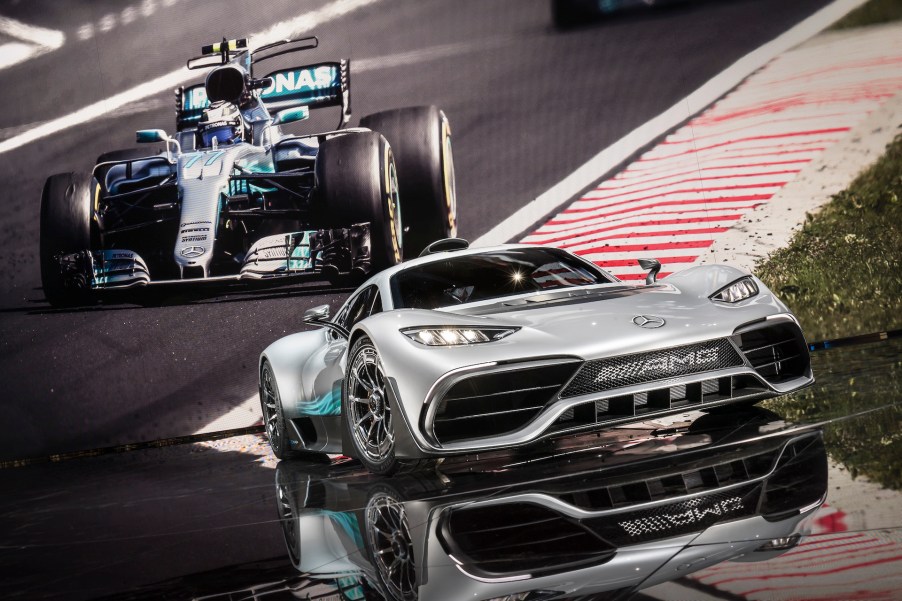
(726, 471)
(688, 396)
(734, 483)
(601, 375)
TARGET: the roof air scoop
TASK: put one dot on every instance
(654, 266)
(446, 245)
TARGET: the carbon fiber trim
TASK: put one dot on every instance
(628, 370)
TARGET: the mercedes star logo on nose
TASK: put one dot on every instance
(190, 252)
(648, 321)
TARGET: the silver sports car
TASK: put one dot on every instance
(465, 350)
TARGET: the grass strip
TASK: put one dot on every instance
(871, 13)
(841, 274)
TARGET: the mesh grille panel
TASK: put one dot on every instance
(628, 370)
(693, 515)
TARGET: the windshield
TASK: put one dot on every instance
(484, 276)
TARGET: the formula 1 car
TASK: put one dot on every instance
(561, 528)
(466, 350)
(569, 13)
(233, 198)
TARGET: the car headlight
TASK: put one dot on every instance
(452, 336)
(737, 291)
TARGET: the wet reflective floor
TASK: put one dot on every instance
(796, 498)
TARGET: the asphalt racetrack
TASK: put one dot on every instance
(527, 106)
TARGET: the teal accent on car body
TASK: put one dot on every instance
(193, 160)
(300, 258)
(298, 113)
(347, 521)
(213, 158)
(327, 404)
(148, 136)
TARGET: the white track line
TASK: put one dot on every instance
(247, 413)
(282, 30)
(622, 149)
(33, 41)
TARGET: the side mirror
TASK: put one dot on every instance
(317, 314)
(149, 136)
(298, 113)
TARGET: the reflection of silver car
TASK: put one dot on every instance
(564, 529)
(476, 349)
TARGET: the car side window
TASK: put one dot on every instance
(363, 305)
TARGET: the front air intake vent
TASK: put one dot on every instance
(491, 404)
(778, 352)
(519, 538)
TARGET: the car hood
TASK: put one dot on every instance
(602, 321)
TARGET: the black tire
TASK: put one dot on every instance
(357, 402)
(288, 516)
(356, 182)
(420, 138)
(65, 228)
(389, 544)
(273, 418)
(564, 15)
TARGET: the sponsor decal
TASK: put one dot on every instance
(195, 99)
(190, 252)
(194, 238)
(671, 362)
(195, 229)
(702, 511)
(302, 80)
(273, 252)
(187, 223)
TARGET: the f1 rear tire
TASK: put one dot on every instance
(65, 228)
(420, 137)
(356, 182)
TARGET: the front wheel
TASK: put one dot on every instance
(367, 411)
(357, 182)
(273, 419)
(390, 545)
(65, 228)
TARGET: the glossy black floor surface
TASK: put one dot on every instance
(682, 509)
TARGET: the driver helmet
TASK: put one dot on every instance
(221, 121)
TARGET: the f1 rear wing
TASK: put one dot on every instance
(320, 85)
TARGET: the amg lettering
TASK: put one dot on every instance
(665, 364)
(694, 515)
